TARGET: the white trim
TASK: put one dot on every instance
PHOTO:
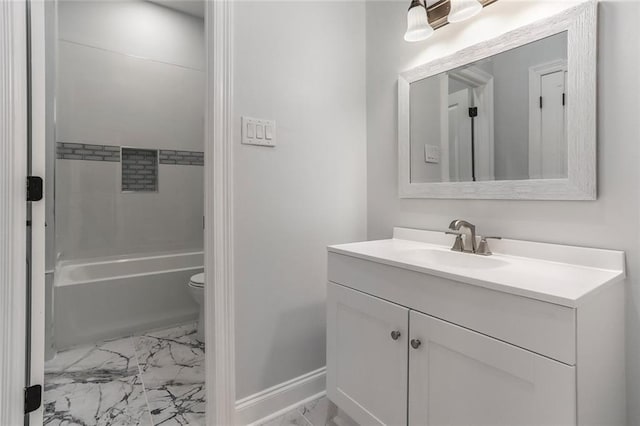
(535, 113)
(218, 235)
(38, 211)
(274, 401)
(445, 160)
(13, 172)
(580, 22)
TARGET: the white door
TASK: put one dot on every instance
(548, 121)
(367, 356)
(460, 377)
(553, 145)
(460, 137)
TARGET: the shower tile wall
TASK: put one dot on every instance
(115, 89)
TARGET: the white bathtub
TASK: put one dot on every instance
(113, 297)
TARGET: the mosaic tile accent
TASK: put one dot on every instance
(85, 151)
(187, 158)
(139, 170)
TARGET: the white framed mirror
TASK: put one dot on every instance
(509, 118)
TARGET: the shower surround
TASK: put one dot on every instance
(129, 176)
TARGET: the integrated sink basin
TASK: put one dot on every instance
(452, 259)
(563, 275)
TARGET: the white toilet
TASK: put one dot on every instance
(196, 288)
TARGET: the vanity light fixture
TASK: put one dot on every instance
(426, 16)
(462, 10)
(418, 27)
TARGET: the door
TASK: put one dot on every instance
(460, 124)
(367, 356)
(460, 377)
(553, 145)
(548, 121)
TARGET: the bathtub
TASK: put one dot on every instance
(106, 298)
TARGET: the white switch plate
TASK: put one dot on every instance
(432, 154)
(256, 131)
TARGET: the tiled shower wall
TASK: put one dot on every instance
(119, 87)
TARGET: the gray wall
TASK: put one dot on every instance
(130, 73)
(301, 64)
(613, 221)
(425, 110)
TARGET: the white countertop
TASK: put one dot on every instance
(552, 273)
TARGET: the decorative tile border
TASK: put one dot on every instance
(139, 170)
(91, 152)
(85, 151)
(187, 158)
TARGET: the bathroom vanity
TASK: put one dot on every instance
(418, 334)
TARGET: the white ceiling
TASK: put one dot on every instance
(191, 7)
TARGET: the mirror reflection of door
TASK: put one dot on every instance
(547, 120)
(513, 138)
(460, 129)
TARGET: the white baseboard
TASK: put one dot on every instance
(281, 398)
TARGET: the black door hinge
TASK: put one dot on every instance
(564, 100)
(540, 102)
(473, 112)
(32, 398)
(34, 188)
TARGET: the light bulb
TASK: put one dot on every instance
(418, 27)
(463, 9)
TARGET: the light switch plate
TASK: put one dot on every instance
(432, 154)
(256, 131)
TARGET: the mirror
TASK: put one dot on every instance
(499, 118)
(512, 117)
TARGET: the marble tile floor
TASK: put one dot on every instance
(156, 378)
(320, 412)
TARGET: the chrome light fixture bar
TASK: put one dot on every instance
(439, 14)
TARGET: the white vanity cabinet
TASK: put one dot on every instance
(460, 377)
(454, 376)
(370, 364)
(417, 338)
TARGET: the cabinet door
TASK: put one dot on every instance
(460, 377)
(366, 364)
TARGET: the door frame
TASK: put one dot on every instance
(218, 235)
(535, 115)
(13, 208)
(218, 183)
(481, 85)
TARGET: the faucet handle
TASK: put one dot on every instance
(458, 244)
(483, 247)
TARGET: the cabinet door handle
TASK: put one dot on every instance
(395, 334)
(415, 343)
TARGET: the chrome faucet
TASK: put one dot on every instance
(467, 244)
